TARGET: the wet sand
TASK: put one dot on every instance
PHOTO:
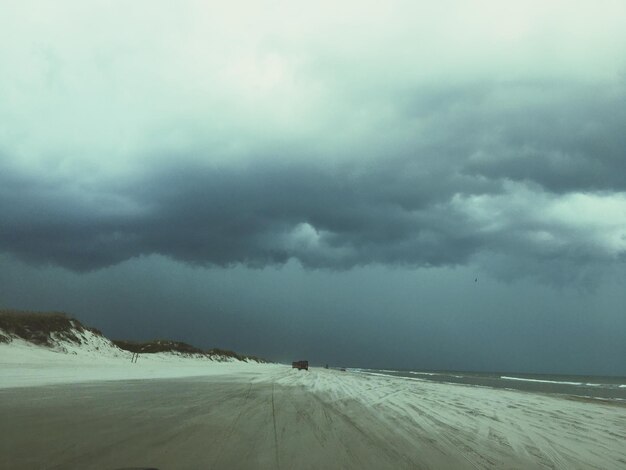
(289, 420)
(193, 424)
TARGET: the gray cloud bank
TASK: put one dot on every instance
(335, 157)
(546, 184)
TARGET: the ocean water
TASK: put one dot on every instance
(589, 386)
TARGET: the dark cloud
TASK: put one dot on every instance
(415, 205)
(258, 215)
(572, 140)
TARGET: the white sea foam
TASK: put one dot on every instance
(540, 381)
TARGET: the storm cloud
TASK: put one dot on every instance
(543, 181)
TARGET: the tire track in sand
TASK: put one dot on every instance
(228, 434)
(275, 433)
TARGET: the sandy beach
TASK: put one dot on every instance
(180, 413)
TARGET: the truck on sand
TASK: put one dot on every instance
(300, 365)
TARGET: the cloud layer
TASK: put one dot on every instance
(401, 136)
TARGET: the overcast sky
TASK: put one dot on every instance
(434, 185)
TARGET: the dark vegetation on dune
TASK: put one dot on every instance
(156, 346)
(165, 345)
(39, 327)
(44, 328)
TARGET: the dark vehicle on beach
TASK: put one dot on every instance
(300, 365)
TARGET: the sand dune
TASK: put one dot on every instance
(237, 415)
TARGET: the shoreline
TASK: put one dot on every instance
(594, 387)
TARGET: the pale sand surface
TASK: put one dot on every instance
(23, 364)
(256, 416)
